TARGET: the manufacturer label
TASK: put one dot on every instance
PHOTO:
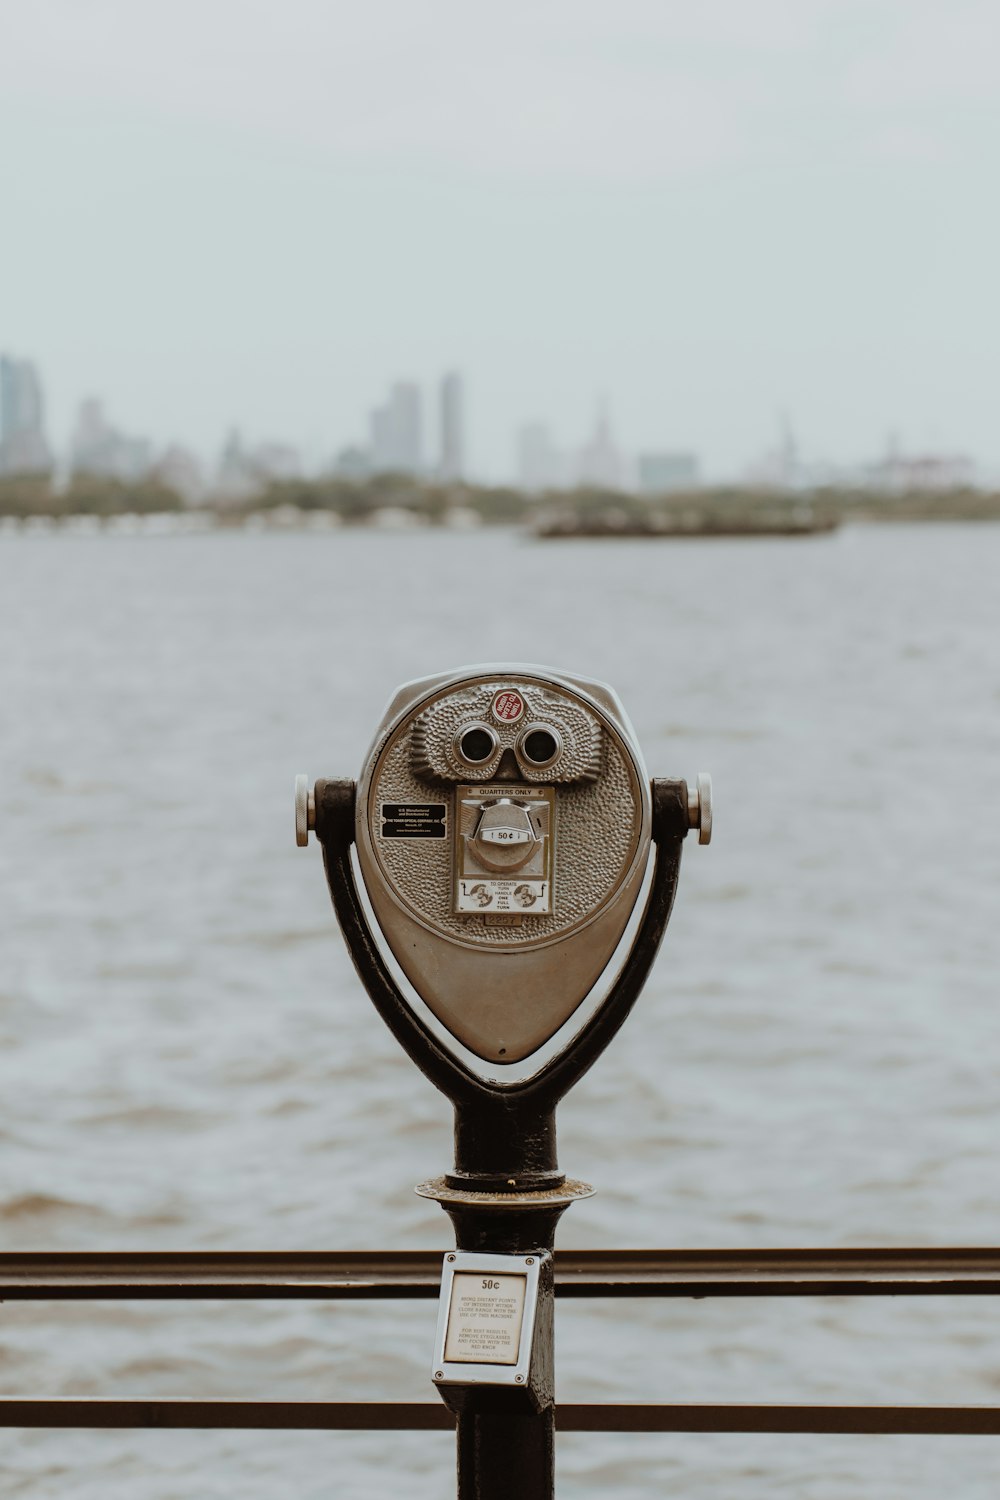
(508, 707)
(414, 820)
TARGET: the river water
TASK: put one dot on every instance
(186, 1058)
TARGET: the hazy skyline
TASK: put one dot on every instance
(223, 213)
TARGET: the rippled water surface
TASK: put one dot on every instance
(186, 1059)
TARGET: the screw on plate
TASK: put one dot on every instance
(438, 1374)
(530, 1260)
(451, 1257)
(518, 1379)
(700, 807)
(305, 810)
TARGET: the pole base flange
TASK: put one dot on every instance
(562, 1196)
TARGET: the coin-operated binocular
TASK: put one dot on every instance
(503, 825)
(517, 872)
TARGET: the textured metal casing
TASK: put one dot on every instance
(503, 988)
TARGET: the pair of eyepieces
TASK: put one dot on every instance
(538, 745)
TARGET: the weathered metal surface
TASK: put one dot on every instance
(190, 1412)
(305, 810)
(569, 1191)
(504, 940)
(502, 1455)
(504, 1136)
(220, 1274)
(388, 1274)
(700, 807)
(506, 1438)
(837, 1271)
(915, 1421)
(482, 1434)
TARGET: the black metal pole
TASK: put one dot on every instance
(508, 1456)
(506, 1439)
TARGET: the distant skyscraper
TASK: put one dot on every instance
(244, 473)
(452, 463)
(397, 431)
(235, 480)
(381, 444)
(663, 473)
(23, 449)
(99, 448)
(599, 462)
(93, 439)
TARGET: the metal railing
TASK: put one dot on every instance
(387, 1275)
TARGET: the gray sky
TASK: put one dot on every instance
(219, 211)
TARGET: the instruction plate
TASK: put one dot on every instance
(486, 1318)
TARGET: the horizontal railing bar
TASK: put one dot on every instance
(918, 1421)
(424, 1416)
(191, 1412)
(222, 1274)
(365, 1274)
(868, 1271)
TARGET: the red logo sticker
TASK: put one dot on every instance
(508, 707)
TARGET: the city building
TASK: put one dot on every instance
(452, 461)
(397, 431)
(600, 462)
(244, 473)
(276, 461)
(781, 467)
(894, 473)
(353, 462)
(900, 473)
(667, 473)
(23, 446)
(179, 469)
(99, 448)
(235, 479)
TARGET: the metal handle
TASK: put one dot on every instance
(305, 810)
(700, 807)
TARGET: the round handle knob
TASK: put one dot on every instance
(305, 810)
(700, 807)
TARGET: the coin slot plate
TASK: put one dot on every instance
(481, 888)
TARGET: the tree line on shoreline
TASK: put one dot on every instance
(358, 501)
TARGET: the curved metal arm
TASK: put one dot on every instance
(670, 827)
(335, 831)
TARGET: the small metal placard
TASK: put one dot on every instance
(503, 850)
(414, 820)
(486, 1319)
